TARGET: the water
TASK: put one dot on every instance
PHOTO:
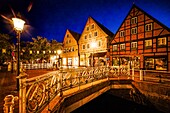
(107, 103)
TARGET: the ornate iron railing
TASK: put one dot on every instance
(35, 93)
(37, 66)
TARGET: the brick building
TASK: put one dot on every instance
(142, 41)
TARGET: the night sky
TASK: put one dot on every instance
(51, 18)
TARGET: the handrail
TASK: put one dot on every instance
(35, 93)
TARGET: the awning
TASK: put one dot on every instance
(101, 54)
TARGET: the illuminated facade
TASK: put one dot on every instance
(70, 49)
(142, 41)
(94, 32)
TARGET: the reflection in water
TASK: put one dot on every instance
(107, 103)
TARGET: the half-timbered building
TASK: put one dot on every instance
(141, 41)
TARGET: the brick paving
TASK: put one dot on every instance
(8, 83)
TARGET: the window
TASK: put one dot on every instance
(161, 63)
(95, 33)
(149, 63)
(89, 35)
(134, 20)
(148, 43)
(67, 35)
(162, 41)
(92, 26)
(156, 63)
(87, 28)
(148, 27)
(114, 47)
(122, 46)
(84, 47)
(122, 33)
(69, 41)
(100, 43)
(85, 37)
(134, 30)
(134, 45)
(72, 49)
(88, 46)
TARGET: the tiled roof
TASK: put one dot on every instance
(75, 35)
(107, 31)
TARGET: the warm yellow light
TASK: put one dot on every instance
(59, 51)
(18, 24)
(93, 45)
(30, 51)
(43, 52)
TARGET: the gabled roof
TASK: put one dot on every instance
(151, 17)
(75, 35)
(107, 31)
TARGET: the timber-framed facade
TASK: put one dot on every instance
(141, 41)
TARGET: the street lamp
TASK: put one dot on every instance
(93, 46)
(18, 27)
(59, 52)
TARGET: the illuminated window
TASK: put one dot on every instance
(114, 47)
(122, 46)
(148, 43)
(148, 27)
(134, 20)
(162, 41)
(134, 30)
(122, 33)
(133, 45)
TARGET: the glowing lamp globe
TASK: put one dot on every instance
(18, 24)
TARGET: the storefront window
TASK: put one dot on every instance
(149, 63)
(124, 61)
(161, 63)
(136, 62)
(115, 61)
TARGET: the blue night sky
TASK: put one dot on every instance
(51, 18)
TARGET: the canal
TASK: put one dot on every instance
(107, 103)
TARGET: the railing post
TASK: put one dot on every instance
(60, 83)
(22, 92)
(9, 103)
(141, 75)
(133, 73)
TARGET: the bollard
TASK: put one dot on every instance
(141, 75)
(9, 103)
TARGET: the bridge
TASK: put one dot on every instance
(65, 90)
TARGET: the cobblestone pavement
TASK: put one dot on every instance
(8, 83)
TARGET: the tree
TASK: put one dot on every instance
(6, 47)
(40, 48)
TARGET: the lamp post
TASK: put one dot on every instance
(93, 46)
(18, 27)
(59, 52)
